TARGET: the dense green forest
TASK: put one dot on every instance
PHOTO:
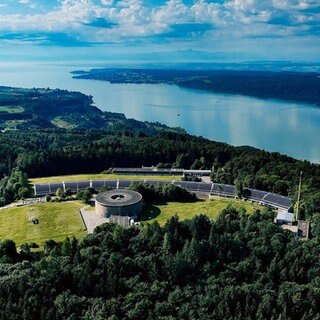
(237, 267)
(295, 86)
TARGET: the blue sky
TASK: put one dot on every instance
(230, 30)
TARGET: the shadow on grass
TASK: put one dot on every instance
(149, 211)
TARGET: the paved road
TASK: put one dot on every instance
(264, 198)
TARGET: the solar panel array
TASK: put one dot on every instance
(224, 190)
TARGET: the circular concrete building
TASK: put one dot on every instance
(125, 203)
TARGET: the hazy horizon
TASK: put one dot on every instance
(159, 30)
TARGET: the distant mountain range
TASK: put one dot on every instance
(204, 60)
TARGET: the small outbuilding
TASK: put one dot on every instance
(284, 217)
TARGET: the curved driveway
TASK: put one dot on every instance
(262, 197)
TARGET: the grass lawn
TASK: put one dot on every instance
(56, 221)
(62, 123)
(84, 177)
(11, 109)
(211, 208)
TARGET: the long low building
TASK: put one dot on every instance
(265, 198)
(162, 171)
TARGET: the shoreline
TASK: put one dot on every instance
(201, 81)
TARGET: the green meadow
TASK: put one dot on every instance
(57, 221)
(11, 109)
(86, 177)
(211, 208)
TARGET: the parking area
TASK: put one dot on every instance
(91, 219)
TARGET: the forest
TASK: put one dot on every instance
(238, 267)
(294, 86)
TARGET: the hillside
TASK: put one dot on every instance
(55, 132)
(49, 109)
(237, 267)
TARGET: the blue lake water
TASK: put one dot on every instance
(286, 127)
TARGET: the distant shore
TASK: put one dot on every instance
(288, 86)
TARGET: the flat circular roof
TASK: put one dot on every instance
(118, 198)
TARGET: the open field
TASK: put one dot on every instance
(56, 221)
(57, 121)
(86, 177)
(11, 109)
(211, 208)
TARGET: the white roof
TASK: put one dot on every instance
(196, 171)
(285, 216)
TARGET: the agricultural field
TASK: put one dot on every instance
(11, 109)
(211, 208)
(57, 221)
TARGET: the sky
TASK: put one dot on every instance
(182, 30)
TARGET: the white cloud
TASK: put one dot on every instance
(296, 4)
(209, 12)
(107, 2)
(173, 12)
(133, 19)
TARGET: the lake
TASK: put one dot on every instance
(286, 127)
